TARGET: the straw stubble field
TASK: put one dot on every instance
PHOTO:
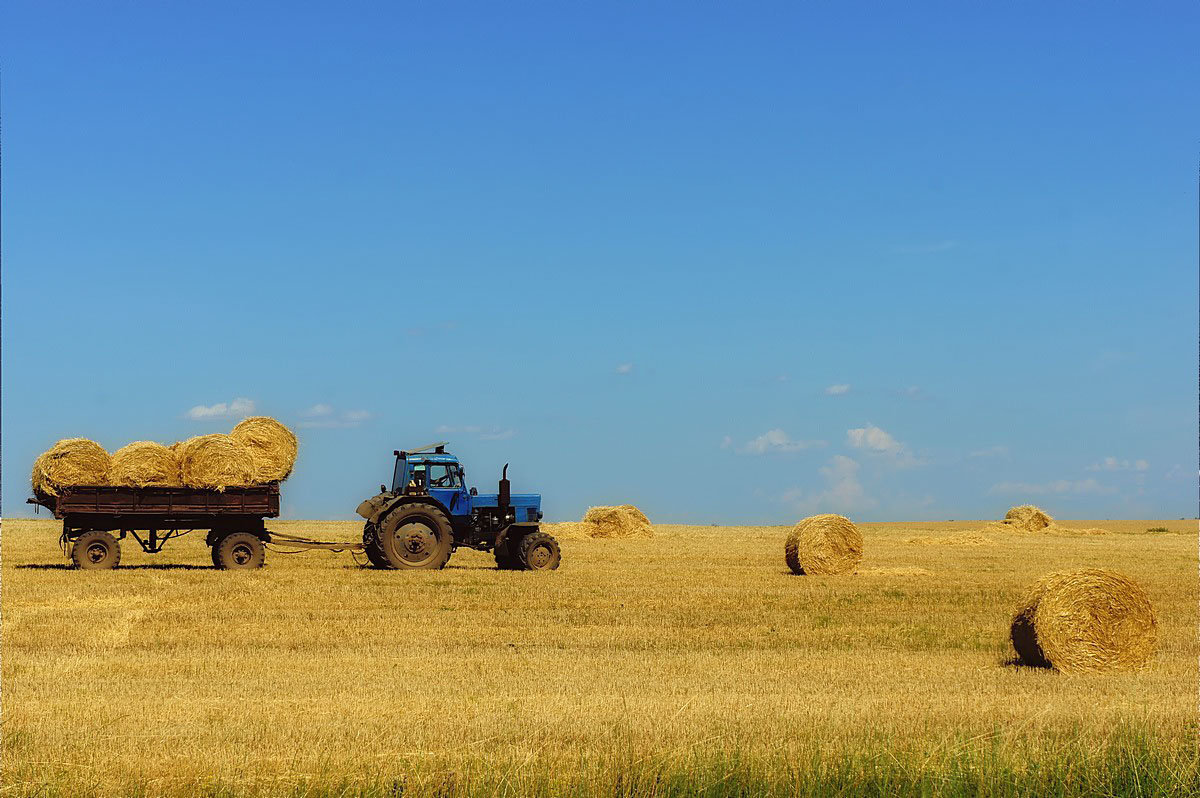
(690, 663)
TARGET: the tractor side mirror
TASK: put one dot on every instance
(474, 491)
(383, 488)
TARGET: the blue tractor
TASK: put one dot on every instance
(429, 512)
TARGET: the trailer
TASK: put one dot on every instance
(96, 518)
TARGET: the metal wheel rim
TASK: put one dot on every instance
(539, 556)
(97, 552)
(415, 543)
(241, 554)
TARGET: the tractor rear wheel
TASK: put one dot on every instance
(538, 551)
(372, 548)
(416, 536)
(96, 551)
(239, 551)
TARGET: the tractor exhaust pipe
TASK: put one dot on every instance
(505, 489)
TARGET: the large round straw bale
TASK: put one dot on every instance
(1028, 518)
(143, 463)
(271, 444)
(823, 544)
(215, 461)
(1086, 620)
(621, 521)
(71, 461)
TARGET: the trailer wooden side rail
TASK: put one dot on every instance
(96, 517)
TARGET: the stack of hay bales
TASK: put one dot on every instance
(622, 521)
(823, 544)
(1089, 620)
(257, 451)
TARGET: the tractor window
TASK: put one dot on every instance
(442, 475)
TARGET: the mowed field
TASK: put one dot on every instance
(693, 663)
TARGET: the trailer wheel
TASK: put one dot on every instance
(372, 548)
(538, 551)
(416, 536)
(95, 551)
(238, 551)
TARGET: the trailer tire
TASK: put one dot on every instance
(96, 551)
(372, 548)
(239, 551)
(538, 551)
(416, 536)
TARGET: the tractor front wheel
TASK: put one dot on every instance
(538, 551)
(416, 536)
(372, 547)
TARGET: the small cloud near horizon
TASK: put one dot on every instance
(839, 389)
(775, 440)
(625, 368)
(1054, 487)
(844, 491)
(1115, 464)
(238, 408)
(881, 442)
(991, 451)
(323, 416)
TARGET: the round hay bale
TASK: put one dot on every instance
(215, 461)
(272, 446)
(143, 463)
(1028, 518)
(823, 544)
(71, 461)
(621, 521)
(1089, 620)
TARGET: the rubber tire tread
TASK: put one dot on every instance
(79, 547)
(444, 531)
(372, 548)
(528, 542)
(222, 552)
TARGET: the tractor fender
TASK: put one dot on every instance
(515, 530)
(390, 503)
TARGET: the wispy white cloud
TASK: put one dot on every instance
(838, 389)
(776, 440)
(482, 433)
(324, 416)
(238, 408)
(1058, 486)
(844, 491)
(1115, 464)
(317, 411)
(880, 442)
(991, 451)
(726, 442)
(625, 368)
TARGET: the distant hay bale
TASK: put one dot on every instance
(621, 521)
(272, 446)
(144, 463)
(965, 539)
(1028, 518)
(215, 461)
(71, 461)
(823, 544)
(1089, 620)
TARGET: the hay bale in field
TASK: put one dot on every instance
(215, 461)
(823, 544)
(143, 463)
(1089, 620)
(1027, 518)
(272, 446)
(71, 461)
(621, 521)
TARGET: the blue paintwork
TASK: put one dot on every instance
(457, 500)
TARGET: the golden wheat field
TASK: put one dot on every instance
(691, 663)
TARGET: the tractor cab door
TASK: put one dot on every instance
(447, 486)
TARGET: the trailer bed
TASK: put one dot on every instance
(166, 503)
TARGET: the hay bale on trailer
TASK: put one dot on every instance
(215, 461)
(71, 461)
(1088, 620)
(142, 464)
(823, 544)
(621, 521)
(272, 447)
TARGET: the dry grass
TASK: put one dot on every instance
(698, 647)
(967, 539)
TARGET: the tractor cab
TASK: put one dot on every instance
(432, 473)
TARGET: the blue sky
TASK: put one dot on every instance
(732, 264)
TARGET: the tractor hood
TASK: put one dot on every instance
(528, 506)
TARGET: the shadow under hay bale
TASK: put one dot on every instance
(272, 447)
(1088, 620)
(215, 461)
(144, 463)
(823, 544)
(622, 521)
(71, 461)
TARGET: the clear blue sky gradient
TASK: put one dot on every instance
(628, 248)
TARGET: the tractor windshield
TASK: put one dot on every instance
(398, 475)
